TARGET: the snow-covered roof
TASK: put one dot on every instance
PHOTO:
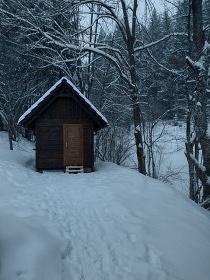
(51, 90)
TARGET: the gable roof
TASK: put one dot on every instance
(30, 113)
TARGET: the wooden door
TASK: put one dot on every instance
(73, 144)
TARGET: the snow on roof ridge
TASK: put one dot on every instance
(85, 99)
(47, 93)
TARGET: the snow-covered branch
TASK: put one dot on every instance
(109, 13)
(201, 170)
(197, 66)
(176, 72)
(149, 45)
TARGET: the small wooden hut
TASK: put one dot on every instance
(64, 122)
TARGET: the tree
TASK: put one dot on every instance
(124, 58)
(35, 64)
(198, 138)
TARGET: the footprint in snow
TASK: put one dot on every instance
(132, 238)
(153, 257)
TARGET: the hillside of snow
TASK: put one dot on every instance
(111, 224)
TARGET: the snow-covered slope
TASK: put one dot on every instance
(107, 225)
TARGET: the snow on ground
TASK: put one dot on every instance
(170, 154)
(107, 225)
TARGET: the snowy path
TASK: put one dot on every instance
(96, 247)
(100, 233)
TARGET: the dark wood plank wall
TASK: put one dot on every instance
(49, 133)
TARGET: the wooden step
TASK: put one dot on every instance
(74, 169)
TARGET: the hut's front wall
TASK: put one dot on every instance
(49, 133)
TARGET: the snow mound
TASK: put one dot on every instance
(110, 224)
(29, 249)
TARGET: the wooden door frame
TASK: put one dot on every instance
(65, 148)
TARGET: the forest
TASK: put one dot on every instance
(139, 65)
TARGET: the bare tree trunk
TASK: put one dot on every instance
(199, 159)
(10, 141)
(198, 34)
(202, 99)
(189, 151)
(9, 131)
(137, 115)
(138, 137)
